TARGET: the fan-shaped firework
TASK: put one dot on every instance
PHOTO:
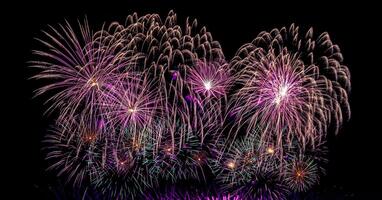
(80, 67)
(147, 103)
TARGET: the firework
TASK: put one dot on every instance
(124, 174)
(145, 104)
(210, 80)
(251, 169)
(131, 103)
(301, 174)
(180, 162)
(74, 149)
(290, 87)
(236, 165)
(317, 155)
(116, 185)
(185, 130)
(80, 68)
(264, 185)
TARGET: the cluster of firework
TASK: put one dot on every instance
(149, 104)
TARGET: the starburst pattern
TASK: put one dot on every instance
(284, 88)
(301, 174)
(209, 79)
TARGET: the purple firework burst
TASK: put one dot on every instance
(132, 102)
(286, 87)
(80, 67)
(209, 79)
(283, 99)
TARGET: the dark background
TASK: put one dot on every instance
(354, 170)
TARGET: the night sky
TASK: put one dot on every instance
(354, 170)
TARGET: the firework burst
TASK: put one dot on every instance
(131, 103)
(251, 170)
(210, 80)
(301, 174)
(80, 67)
(284, 87)
(74, 149)
(282, 99)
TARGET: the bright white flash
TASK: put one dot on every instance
(207, 85)
(131, 110)
(283, 91)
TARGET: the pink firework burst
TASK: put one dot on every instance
(291, 88)
(283, 99)
(80, 68)
(209, 79)
(131, 103)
